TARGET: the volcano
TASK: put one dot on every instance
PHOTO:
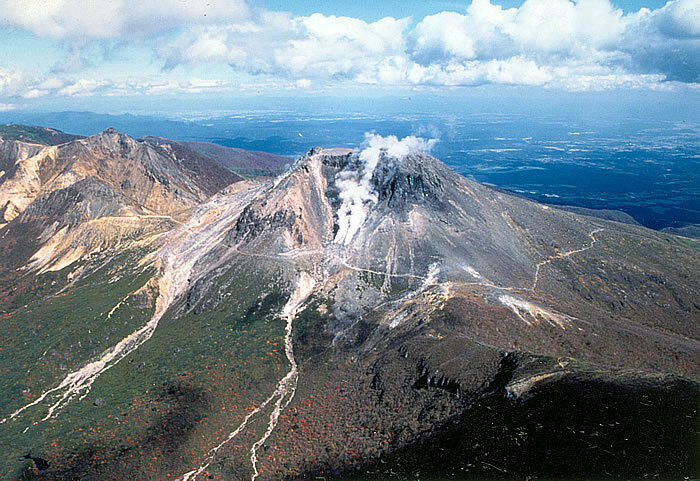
(367, 314)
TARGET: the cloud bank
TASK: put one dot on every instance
(544, 42)
(115, 19)
(575, 45)
(354, 183)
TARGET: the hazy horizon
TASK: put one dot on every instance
(502, 84)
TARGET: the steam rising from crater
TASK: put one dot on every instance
(355, 181)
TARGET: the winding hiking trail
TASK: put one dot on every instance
(282, 395)
(562, 255)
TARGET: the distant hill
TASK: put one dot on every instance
(91, 123)
(240, 161)
(35, 135)
(606, 214)
(243, 161)
(690, 230)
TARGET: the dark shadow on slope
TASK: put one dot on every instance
(188, 405)
(572, 429)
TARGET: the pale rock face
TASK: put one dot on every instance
(146, 175)
(141, 187)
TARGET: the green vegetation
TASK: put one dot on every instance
(58, 332)
(35, 135)
(49, 338)
(310, 335)
(166, 404)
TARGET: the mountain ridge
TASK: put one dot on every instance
(358, 305)
(246, 162)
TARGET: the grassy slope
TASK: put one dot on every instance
(35, 135)
(52, 336)
(165, 405)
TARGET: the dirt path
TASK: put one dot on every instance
(562, 255)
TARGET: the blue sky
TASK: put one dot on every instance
(373, 10)
(81, 53)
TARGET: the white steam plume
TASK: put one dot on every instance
(355, 181)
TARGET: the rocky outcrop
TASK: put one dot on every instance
(86, 200)
(64, 190)
(151, 177)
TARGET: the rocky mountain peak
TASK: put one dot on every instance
(359, 188)
(333, 157)
(396, 176)
(112, 140)
(138, 173)
(416, 178)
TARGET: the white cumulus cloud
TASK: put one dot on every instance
(115, 18)
(559, 42)
(568, 44)
(297, 47)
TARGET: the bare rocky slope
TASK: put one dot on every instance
(366, 315)
(245, 162)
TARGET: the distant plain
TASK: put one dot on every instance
(646, 167)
